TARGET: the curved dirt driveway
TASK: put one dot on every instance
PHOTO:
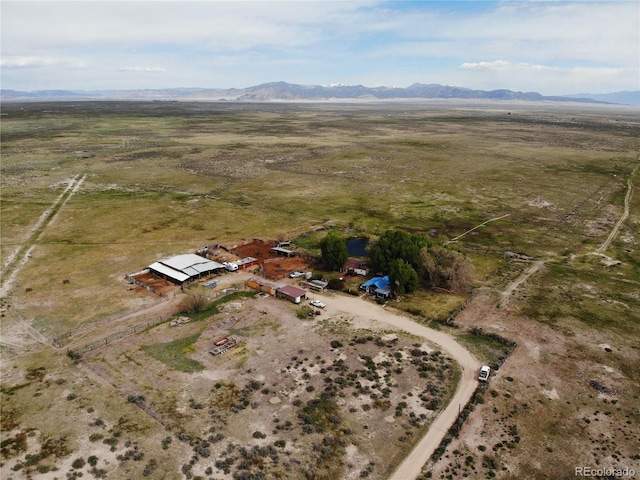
(411, 466)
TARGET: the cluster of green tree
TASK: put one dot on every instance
(408, 259)
(397, 253)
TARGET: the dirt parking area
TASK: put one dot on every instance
(281, 267)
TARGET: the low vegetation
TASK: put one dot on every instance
(174, 354)
(163, 179)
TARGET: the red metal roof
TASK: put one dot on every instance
(354, 263)
(292, 291)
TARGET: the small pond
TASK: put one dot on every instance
(357, 247)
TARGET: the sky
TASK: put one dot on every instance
(551, 47)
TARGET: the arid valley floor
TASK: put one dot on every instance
(541, 197)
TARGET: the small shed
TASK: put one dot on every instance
(353, 266)
(292, 293)
(318, 285)
(246, 263)
(261, 286)
(284, 252)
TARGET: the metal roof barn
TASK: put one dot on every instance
(283, 251)
(292, 293)
(182, 268)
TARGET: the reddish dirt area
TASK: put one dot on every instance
(259, 249)
(274, 266)
(283, 266)
(157, 283)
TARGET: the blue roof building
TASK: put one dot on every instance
(378, 285)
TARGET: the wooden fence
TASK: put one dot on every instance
(60, 340)
(135, 328)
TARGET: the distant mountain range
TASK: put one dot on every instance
(624, 98)
(282, 91)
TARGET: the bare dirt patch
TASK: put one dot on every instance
(256, 248)
(550, 398)
(274, 266)
(159, 284)
(280, 267)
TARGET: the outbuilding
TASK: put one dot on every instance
(283, 252)
(261, 286)
(184, 268)
(246, 263)
(379, 286)
(292, 293)
(319, 285)
(353, 266)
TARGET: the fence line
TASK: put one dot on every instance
(454, 314)
(138, 327)
(148, 287)
(71, 333)
(105, 341)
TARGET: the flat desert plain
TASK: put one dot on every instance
(102, 378)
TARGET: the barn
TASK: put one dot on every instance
(291, 293)
(283, 252)
(185, 268)
(246, 263)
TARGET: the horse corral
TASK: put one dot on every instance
(274, 266)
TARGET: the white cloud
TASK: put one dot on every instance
(25, 62)
(549, 80)
(219, 44)
(210, 25)
(605, 32)
(39, 61)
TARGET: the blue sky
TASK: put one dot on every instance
(552, 47)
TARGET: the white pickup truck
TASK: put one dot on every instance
(485, 371)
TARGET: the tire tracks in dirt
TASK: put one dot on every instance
(20, 256)
(475, 228)
(513, 286)
(625, 214)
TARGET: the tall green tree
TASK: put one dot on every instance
(402, 277)
(396, 244)
(334, 251)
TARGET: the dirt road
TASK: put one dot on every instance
(22, 254)
(614, 232)
(476, 227)
(520, 280)
(361, 309)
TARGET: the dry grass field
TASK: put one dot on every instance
(92, 191)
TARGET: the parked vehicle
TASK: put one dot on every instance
(296, 274)
(317, 303)
(231, 267)
(485, 371)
